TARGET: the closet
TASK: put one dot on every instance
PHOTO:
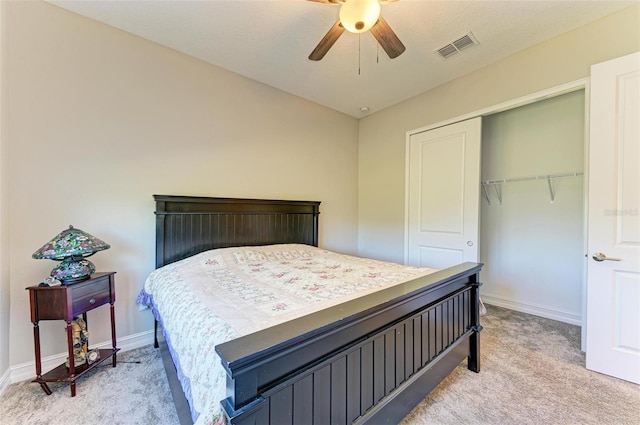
(538, 217)
(532, 232)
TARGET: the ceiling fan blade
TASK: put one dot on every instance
(387, 38)
(327, 41)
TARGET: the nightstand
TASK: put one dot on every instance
(66, 302)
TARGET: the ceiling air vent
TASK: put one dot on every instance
(447, 51)
(455, 47)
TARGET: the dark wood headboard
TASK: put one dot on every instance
(188, 225)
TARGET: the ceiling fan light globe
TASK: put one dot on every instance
(359, 15)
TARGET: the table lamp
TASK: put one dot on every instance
(71, 247)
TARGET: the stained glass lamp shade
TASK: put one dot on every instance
(71, 247)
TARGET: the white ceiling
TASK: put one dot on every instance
(270, 40)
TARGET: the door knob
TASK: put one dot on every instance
(599, 256)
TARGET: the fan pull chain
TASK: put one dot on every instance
(359, 54)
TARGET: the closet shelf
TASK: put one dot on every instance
(548, 177)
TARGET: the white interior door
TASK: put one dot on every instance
(613, 282)
(444, 195)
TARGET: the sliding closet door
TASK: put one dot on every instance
(443, 195)
(613, 271)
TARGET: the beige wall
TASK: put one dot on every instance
(383, 135)
(100, 120)
(4, 211)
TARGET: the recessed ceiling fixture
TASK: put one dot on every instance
(359, 16)
(448, 50)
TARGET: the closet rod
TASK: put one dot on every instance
(548, 177)
(544, 177)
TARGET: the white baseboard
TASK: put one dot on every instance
(5, 381)
(26, 371)
(536, 310)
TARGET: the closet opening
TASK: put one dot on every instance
(532, 213)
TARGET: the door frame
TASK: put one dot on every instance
(581, 84)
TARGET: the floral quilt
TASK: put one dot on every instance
(218, 295)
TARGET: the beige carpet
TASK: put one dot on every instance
(130, 393)
(532, 373)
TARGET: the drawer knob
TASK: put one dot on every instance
(92, 301)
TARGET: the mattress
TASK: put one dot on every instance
(218, 295)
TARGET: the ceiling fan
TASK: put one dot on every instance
(358, 16)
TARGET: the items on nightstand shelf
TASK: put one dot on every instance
(71, 247)
(80, 341)
(71, 302)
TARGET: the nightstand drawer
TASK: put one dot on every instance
(87, 297)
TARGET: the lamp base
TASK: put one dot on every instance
(71, 271)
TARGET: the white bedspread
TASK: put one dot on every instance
(218, 295)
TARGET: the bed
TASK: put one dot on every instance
(359, 358)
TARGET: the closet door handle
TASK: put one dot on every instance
(599, 256)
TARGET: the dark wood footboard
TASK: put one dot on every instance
(370, 360)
